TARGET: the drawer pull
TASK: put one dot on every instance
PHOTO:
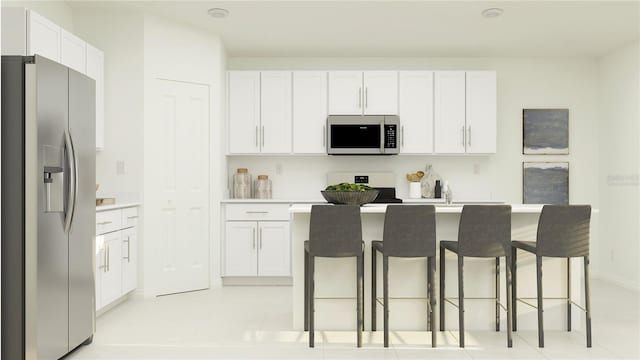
(105, 222)
(257, 212)
(132, 217)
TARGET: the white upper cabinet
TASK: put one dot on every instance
(43, 37)
(481, 112)
(275, 112)
(449, 105)
(73, 51)
(416, 112)
(345, 93)
(309, 112)
(380, 93)
(244, 112)
(95, 70)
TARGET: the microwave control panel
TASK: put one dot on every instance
(390, 132)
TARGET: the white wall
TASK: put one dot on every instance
(179, 52)
(522, 83)
(57, 11)
(618, 180)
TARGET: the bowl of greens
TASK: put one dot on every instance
(349, 194)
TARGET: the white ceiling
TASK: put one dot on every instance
(409, 28)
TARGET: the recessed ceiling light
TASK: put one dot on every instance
(492, 13)
(218, 13)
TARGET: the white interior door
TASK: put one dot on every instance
(177, 187)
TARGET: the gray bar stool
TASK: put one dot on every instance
(409, 232)
(563, 231)
(335, 231)
(484, 231)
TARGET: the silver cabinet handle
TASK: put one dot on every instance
(128, 257)
(132, 217)
(257, 136)
(262, 133)
(260, 238)
(256, 212)
(402, 134)
(105, 222)
(253, 242)
(359, 98)
(104, 261)
(366, 97)
(107, 258)
(462, 130)
(469, 136)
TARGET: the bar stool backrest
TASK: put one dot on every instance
(485, 230)
(563, 230)
(410, 230)
(335, 231)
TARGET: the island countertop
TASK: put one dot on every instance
(440, 209)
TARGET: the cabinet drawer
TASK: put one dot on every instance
(129, 217)
(257, 212)
(107, 221)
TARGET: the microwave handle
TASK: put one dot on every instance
(383, 139)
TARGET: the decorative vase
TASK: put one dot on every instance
(428, 182)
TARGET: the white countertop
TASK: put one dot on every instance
(273, 201)
(116, 206)
(440, 209)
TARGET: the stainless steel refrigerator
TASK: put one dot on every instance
(48, 208)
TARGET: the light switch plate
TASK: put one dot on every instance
(120, 168)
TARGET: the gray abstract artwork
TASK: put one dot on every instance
(545, 183)
(545, 131)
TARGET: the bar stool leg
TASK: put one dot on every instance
(311, 301)
(362, 288)
(568, 294)
(461, 299)
(373, 289)
(306, 291)
(429, 310)
(441, 291)
(497, 294)
(509, 278)
(385, 287)
(514, 287)
(587, 297)
(359, 304)
(540, 306)
(432, 299)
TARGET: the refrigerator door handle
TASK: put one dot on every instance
(73, 181)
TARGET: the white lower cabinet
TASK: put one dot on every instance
(254, 246)
(116, 255)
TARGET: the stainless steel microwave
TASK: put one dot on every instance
(362, 135)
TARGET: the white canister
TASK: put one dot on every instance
(415, 190)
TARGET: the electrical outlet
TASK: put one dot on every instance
(120, 167)
(278, 169)
(476, 168)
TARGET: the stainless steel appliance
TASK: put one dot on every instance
(363, 135)
(48, 208)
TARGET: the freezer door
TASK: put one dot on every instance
(49, 263)
(83, 225)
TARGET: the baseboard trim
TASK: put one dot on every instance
(118, 301)
(617, 280)
(257, 281)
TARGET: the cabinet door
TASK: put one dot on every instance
(112, 272)
(481, 112)
(345, 93)
(73, 51)
(129, 259)
(310, 112)
(449, 112)
(244, 112)
(274, 255)
(416, 112)
(275, 112)
(100, 266)
(381, 92)
(240, 248)
(95, 70)
(43, 37)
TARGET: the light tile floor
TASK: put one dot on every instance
(255, 322)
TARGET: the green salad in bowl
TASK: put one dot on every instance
(349, 194)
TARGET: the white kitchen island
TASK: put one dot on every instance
(336, 278)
